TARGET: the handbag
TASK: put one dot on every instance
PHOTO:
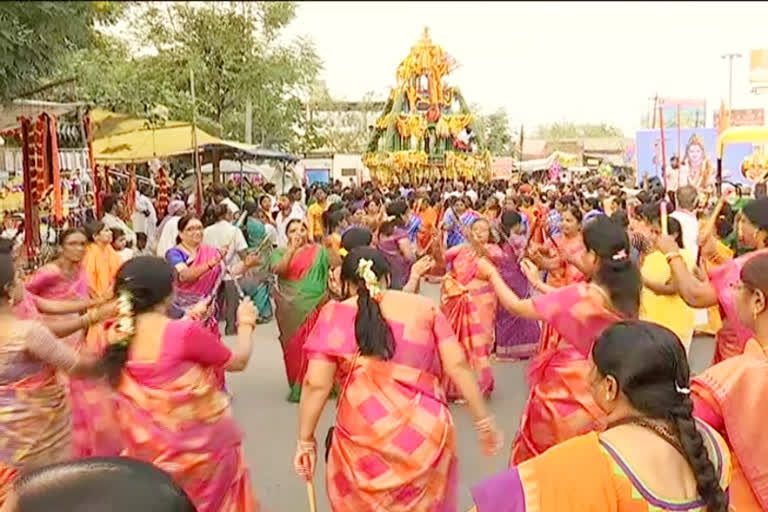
(329, 434)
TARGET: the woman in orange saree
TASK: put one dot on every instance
(428, 238)
(560, 405)
(171, 408)
(469, 303)
(731, 395)
(719, 289)
(557, 257)
(652, 457)
(394, 444)
(94, 431)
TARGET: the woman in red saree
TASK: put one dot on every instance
(94, 431)
(302, 288)
(560, 405)
(171, 409)
(428, 239)
(731, 395)
(652, 457)
(719, 289)
(557, 256)
(394, 445)
(469, 303)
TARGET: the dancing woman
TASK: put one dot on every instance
(198, 269)
(731, 396)
(101, 261)
(753, 232)
(259, 279)
(64, 280)
(394, 445)
(560, 405)
(469, 303)
(395, 244)
(653, 455)
(561, 256)
(516, 338)
(302, 285)
(171, 408)
(35, 421)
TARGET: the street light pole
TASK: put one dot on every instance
(730, 57)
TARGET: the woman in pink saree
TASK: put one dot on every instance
(394, 445)
(731, 395)
(719, 290)
(198, 270)
(171, 409)
(560, 405)
(94, 431)
(469, 303)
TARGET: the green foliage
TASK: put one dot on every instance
(567, 130)
(234, 52)
(37, 35)
(494, 131)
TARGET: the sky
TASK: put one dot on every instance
(547, 61)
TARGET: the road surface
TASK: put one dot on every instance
(270, 423)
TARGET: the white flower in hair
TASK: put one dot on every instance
(365, 271)
(124, 327)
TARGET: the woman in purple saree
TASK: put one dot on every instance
(516, 337)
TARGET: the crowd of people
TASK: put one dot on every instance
(114, 348)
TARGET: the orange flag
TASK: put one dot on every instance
(724, 121)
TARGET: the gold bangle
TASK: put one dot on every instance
(672, 255)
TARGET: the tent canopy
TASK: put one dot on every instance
(744, 134)
(9, 113)
(120, 138)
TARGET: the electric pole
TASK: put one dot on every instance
(730, 57)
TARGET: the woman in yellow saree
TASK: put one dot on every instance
(394, 445)
(171, 408)
(653, 457)
(731, 396)
(560, 405)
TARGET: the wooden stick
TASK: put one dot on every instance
(664, 229)
(311, 496)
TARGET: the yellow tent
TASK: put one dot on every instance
(753, 134)
(119, 138)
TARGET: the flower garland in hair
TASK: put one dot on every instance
(365, 271)
(124, 327)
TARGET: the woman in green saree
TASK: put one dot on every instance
(302, 285)
(258, 280)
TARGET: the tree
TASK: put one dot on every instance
(567, 130)
(35, 36)
(234, 52)
(495, 132)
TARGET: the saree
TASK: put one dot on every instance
(516, 337)
(564, 275)
(189, 293)
(94, 431)
(256, 283)
(722, 254)
(733, 334)
(174, 415)
(400, 267)
(428, 240)
(588, 473)
(298, 297)
(101, 266)
(455, 235)
(560, 405)
(34, 411)
(731, 397)
(394, 445)
(469, 303)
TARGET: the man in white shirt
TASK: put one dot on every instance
(686, 204)
(221, 196)
(145, 218)
(111, 220)
(223, 235)
(471, 193)
(297, 204)
(286, 214)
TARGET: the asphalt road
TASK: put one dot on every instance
(270, 423)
